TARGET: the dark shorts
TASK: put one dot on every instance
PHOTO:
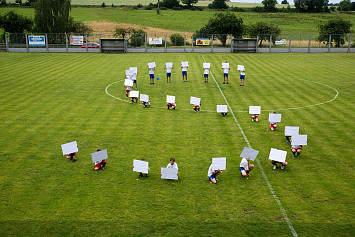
(242, 77)
(134, 81)
(225, 74)
(151, 76)
(184, 73)
(241, 169)
(212, 177)
(168, 74)
(205, 75)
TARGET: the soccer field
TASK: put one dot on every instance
(50, 99)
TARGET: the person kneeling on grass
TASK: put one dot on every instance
(197, 107)
(72, 155)
(171, 105)
(212, 174)
(283, 164)
(128, 89)
(141, 174)
(134, 98)
(224, 114)
(101, 164)
(245, 167)
(146, 104)
(255, 117)
(296, 150)
(273, 125)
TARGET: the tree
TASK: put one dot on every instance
(345, 5)
(137, 37)
(222, 24)
(189, 3)
(335, 27)
(269, 5)
(263, 30)
(218, 4)
(122, 32)
(284, 2)
(311, 5)
(14, 23)
(170, 3)
(177, 39)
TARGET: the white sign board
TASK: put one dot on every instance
(291, 130)
(280, 42)
(169, 173)
(144, 98)
(219, 163)
(249, 153)
(69, 148)
(128, 82)
(222, 109)
(170, 99)
(151, 65)
(36, 40)
(168, 65)
(298, 140)
(76, 40)
(99, 156)
(129, 74)
(155, 41)
(134, 70)
(274, 118)
(195, 101)
(141, 166)
(184, 64)
(277, 155)
(134, 94)
(225, 65)
(240, 68)
(254, 109)
(206, 66)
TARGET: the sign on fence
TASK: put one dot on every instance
(280, 42)
(202, 41)
(76, 40)
(155, 41)
(36, 40)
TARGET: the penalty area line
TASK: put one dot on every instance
(266, 179)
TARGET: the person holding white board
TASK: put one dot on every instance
(245, 167)
(206, 71)
(273, 125)
(277, 156)
(168, 67)
(225, 67)
(151, 68)
(296, 150)
(100, 164)
(242, 76)
(212, 174)
(70, 150)
(141, 173)
(184, 66)
(172, 164)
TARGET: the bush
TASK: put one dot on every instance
(137, 38)
(177, 39)
(103, 4)
(139, 5)
(3, 2)
(218, 4)
(148, 7)
(177, 8)
(237, 9)
(257, 9)
(170, 3)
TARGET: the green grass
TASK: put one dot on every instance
(190, 21)
(50, 99)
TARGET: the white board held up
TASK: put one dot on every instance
(99, 156)
(185, 64)
(69, 148)
(134, 70)
(225, 65)
(222, 109)
(249, 153)
(133, 94)
(141, 166)
(291, 130)
(219, 163)
(128, 82)
(144, 98)
(274, 118)
(254, 109)
(299, 140)
(169, 173)
(240, 68)
(195, 101)
(170, 99)
(206, 66)
(277, 155)
(168, 65)
(151, 65)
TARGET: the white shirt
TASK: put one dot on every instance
(151, 70)
(172, 166)
(168, 70)
(226, 70)
(184, 69)
(244, 164)
(207, 71)
(242, 73)
(210, 171)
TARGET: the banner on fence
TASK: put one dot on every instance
(202, 41)
(76, 40)
(36, 40)
(155, 41)
(280, 42)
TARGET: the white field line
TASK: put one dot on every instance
(282, 209)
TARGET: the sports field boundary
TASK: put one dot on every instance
(266, 179)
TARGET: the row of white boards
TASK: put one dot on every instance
(186, 64)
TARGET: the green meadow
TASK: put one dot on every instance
(190, 21)
(50, 99)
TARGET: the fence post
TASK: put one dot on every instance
(309, 44)
(47, 43)
(257, 43)
(145, 43)
(212, 44)
(87, 50)
(192, 43)
(349, 44)
(185, 44)
(165, 49)
(329, 42)
(270, 43)
(231, 43)
(7, 43)
(66, 43)
(289, 46)
(26, 43)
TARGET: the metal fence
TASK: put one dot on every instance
(175, 42)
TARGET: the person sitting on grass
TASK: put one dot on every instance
(101, 164)
(72, 155)
(212, 174)
(296, 150)
(283, 164)
(172, 164)
(245, 167)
